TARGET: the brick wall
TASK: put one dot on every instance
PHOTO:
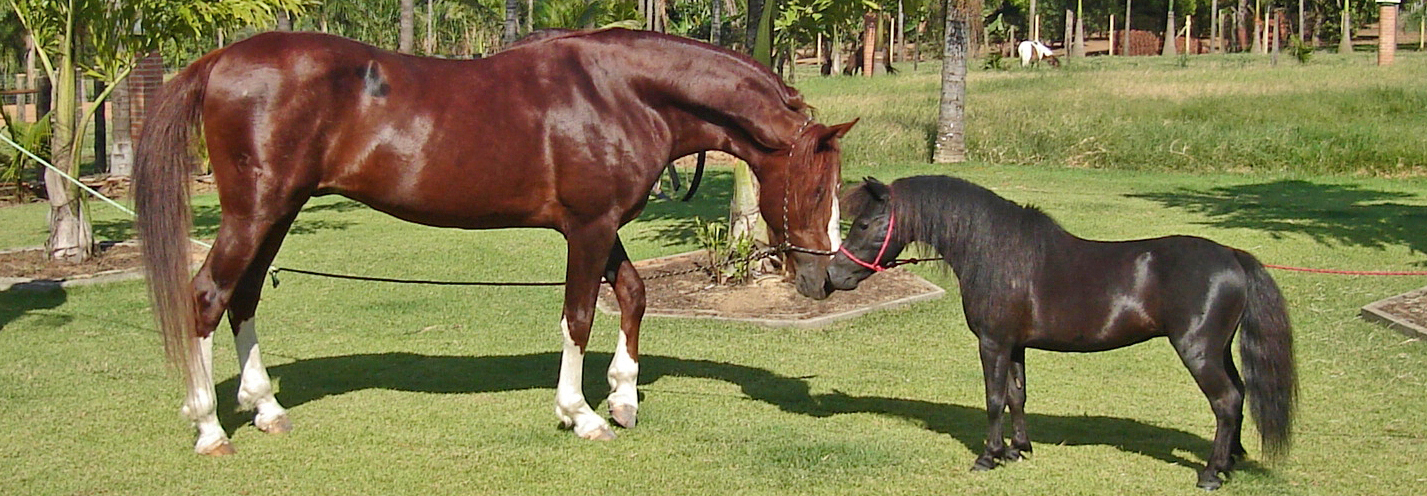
(144, 85)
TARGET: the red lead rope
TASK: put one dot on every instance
(1347, 272)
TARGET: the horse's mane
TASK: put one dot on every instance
(973, 228)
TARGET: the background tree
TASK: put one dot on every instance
(406, 27)
(99, 38)
(951, 134)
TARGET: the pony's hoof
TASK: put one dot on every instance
(277, 425)
(223, 448)
(603, 433)
(983, 464)
(1209, 482)
(623, 415)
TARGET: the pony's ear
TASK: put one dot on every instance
(876, 189)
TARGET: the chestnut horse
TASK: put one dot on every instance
(1027, 283)
(568, 132)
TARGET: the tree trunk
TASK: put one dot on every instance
(71, 237)
(406, 34)
(750, 30)
(1345, 37)
(121, 155)
(716, 23)
(951, 134)
(1078, 48)
(512, 22)
(1169, 33)
(1241, 24)
(744, 215)
(1126, 41)
(101, 133)
(284, 23)
(869, 44)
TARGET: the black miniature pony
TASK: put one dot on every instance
(1027, 283)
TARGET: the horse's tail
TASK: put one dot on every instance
(161, 180)
(1266, 351)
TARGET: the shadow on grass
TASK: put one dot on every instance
(15, 303)
(310, 380)
(1328, 213)
(206, 218)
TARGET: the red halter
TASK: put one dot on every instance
(874, 265)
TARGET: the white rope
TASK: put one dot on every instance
(81, 185)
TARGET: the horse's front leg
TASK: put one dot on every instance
(588, 252)
(624, 368)
(995, 366)
(1016, 400)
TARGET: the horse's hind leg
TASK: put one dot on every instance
(1205, 359)
(255, 391)
(239, 242)
(624, 368)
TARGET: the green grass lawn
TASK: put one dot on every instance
(439, 390)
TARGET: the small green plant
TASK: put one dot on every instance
(730, 257)
(31, 136)
(994, 61)
(1302, 52)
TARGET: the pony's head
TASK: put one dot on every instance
(798, 198)
(870, 244)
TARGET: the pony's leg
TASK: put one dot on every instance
(255, 391)
(588, 252)
(995, 366)
(1205, 362)
(624, 368)
(1016, 399)
(1236, 449)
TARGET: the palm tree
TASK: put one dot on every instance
(951, 131)
(406, 35)
(512, 21)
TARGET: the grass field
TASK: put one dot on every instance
(439, 390)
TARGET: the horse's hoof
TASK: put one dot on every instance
(603, 433)
(623, 415)
(224, 448)
(1209, 482)
(279, 425)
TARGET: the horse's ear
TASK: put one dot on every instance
(837, 131)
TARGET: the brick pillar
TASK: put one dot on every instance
(1386, 31)
(144, 85)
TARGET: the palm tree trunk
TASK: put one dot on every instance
(71, 235)
(716, 23)
(1345, 38)
(1169, 33)
(951, 134)
(1241, 25)
(406, 34)
(512, 22)
(121, 155)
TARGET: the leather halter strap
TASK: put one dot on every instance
(875, 264)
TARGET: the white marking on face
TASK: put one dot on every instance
(834, 229)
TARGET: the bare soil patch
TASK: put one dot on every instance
(768, 300)
(1406, 312)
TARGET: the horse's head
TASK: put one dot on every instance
(798, 198)
(870, 244)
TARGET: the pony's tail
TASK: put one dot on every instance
(1266, 351)
(163, 163)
